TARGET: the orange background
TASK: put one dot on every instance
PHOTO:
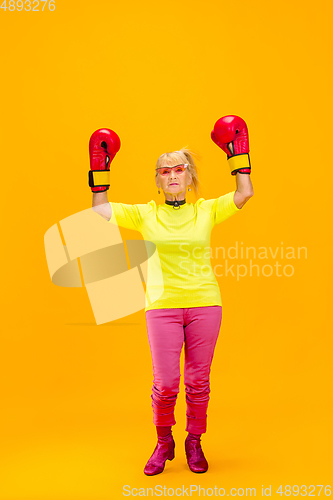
(76, 420)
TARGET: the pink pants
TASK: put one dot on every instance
(168, 329)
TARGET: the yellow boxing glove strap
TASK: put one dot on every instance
(239, 161)
(99, 178)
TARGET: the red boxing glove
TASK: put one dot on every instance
(103, 146)
(230, 134)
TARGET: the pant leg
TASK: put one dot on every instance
(166, 338)
(202, 327)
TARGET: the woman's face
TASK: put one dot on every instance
(174, 184)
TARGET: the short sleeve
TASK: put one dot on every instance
(221, 208)
(129, 216)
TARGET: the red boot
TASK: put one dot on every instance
(195, 457)
(164, 450)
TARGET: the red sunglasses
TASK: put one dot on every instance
(178, 169)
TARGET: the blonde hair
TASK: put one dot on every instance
(184, 155)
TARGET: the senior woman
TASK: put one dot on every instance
(188, 311)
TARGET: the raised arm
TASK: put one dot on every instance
(101, 205)
(244, 189)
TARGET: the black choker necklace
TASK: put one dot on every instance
(176, 204)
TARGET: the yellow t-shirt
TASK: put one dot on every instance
(182, 239)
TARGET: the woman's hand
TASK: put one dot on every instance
(103, 146)
(230, 134)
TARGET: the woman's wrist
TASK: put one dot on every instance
(100, 198)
